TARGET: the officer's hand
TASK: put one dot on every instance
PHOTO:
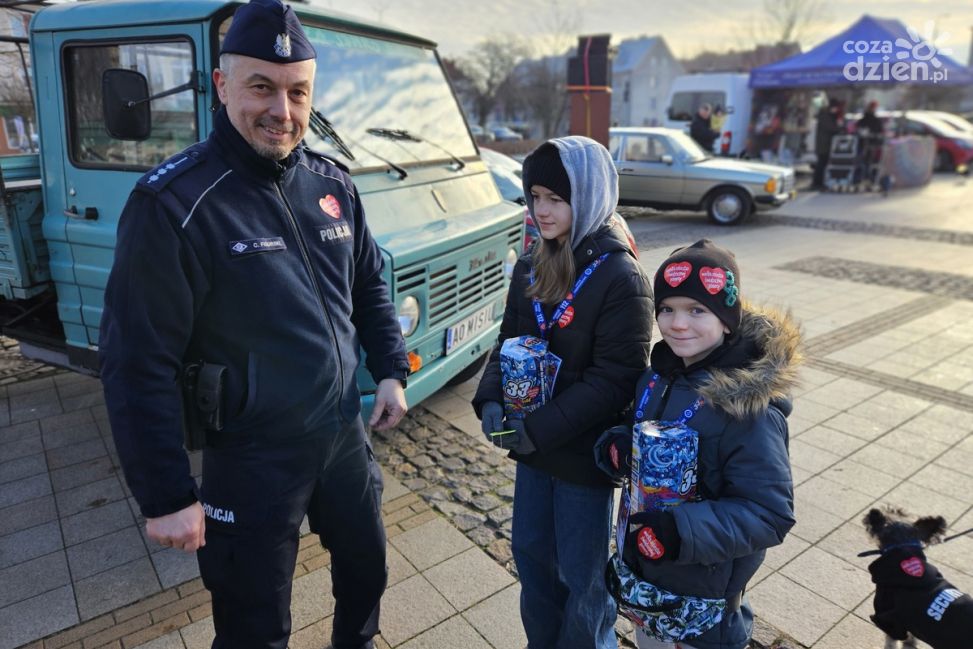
(491, 419)
(184, 529)
(390, 406)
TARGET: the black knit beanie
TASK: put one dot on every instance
(706, 273)
(544, 167)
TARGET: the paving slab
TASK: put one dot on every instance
(497, 619)
(840, 582)
(30, 543)
(37, 616)
(431, 543)
(30, 578)
(786, 604)
(410, 608)
(110, 589)
(454, 578)
(454, 632)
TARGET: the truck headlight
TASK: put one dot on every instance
(409, 316)
(771, 186)
(509, 262)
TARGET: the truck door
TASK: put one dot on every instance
(99, 171)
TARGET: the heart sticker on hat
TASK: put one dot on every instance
(677, 272)
(714, 279)
(330, 206)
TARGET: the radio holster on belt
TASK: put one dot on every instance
(202, 402)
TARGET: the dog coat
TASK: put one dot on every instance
(912, 596)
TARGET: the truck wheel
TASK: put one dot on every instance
(468, 372)
(728, 206)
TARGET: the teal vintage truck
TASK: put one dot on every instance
(384, 108)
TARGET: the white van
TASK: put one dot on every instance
(727, 90)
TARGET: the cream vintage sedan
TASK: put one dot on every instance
(665, 169)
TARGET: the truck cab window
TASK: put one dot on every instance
(165, 65)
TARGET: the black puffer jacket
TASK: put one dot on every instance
(603, 349)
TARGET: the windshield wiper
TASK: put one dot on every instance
(321, 127)
(400, 135)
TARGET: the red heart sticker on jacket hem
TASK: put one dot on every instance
(649, 545)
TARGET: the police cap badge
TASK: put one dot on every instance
(268, 30)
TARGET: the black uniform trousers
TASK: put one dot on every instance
(255, 493)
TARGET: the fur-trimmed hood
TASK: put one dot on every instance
(771, 341)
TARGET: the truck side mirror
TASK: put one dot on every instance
(125, 104)
(666, 159)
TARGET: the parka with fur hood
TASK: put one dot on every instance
(744, 474)
(604, 345)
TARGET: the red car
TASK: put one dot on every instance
(954, 146)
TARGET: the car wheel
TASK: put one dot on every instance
(468, 372)
(944, 161)
(728, 206)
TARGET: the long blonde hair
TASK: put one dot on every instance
(553, 264)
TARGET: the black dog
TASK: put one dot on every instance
(911, 597)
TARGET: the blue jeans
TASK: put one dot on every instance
(560, 544)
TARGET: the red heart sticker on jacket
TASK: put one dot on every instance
(913, 567)
(648, 545)
(676, 273)
(566, 317)
(330, 206)
(714, 279)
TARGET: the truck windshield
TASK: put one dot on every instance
(362, 82)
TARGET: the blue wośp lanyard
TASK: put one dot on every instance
(542, 324)
(687, 414)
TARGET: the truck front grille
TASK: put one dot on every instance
(452, 288)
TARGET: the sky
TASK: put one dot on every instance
(688, 27)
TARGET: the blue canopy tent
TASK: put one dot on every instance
(872, 51)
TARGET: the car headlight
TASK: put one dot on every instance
(509, 262)
(409, 315)
(771, 186)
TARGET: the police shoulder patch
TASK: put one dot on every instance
(321, 156)
(178, 164)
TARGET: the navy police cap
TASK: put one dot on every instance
(268, 30)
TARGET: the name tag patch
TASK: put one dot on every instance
(337, 233)
(249, 246)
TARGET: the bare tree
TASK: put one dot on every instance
(487, 69)
(786, 21)
(543, 80)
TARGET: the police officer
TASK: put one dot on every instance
(251, 252)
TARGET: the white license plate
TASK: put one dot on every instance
(470, 327)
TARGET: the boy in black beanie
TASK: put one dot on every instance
(724, 370)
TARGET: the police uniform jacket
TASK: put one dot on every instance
(265, 267)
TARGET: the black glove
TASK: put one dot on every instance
(651, 537)
(517, 441)
(491, 419)
(613, 451)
